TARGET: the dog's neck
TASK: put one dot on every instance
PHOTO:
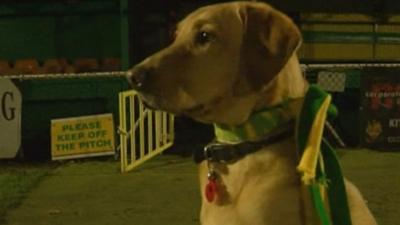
(288, 84)
(260, 124)
(280, 103)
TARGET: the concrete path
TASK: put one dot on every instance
(165, 192)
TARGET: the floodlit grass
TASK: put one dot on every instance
(162, 191)
(16, 180)
(90, 192)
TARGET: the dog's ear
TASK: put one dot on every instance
(269, 40)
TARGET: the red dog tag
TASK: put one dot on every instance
(211, 190)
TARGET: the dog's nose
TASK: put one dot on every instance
(137, 77)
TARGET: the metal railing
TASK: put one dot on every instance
(143, 133)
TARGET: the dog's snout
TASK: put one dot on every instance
(137, 77)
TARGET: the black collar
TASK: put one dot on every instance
(227, 153)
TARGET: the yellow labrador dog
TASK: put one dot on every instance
(228, 61)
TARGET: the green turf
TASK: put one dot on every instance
(16, 180)
(165, 191)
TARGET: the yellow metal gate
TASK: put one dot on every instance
(143, 133)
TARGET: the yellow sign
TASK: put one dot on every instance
(82, 136)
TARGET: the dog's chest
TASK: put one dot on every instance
(260, 189)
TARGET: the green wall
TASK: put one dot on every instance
(66, 29)
(57, 30)
(82, 36)
(27, 38)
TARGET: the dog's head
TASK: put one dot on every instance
(222, 58)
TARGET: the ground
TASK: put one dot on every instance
(165, 191)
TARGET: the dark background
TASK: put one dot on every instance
(174, 10)
(71, 29)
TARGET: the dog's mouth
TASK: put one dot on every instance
(148, 102)
(195, 110)
(148, 106)
(201, 110)
(159, 103)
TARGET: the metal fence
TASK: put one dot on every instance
(144, 133)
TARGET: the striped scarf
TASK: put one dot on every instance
(257, 127)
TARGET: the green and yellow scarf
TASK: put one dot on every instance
(323, 191)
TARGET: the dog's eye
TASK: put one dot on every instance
(203, 38)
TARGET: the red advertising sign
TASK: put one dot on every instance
(380, 112)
